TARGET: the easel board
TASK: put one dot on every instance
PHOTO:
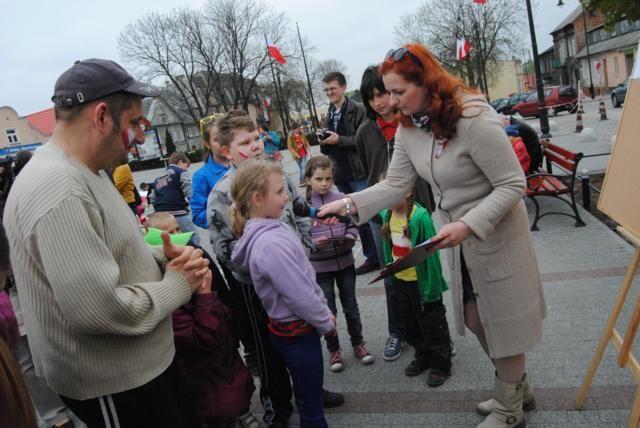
(620, 197)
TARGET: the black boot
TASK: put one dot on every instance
(332, 399)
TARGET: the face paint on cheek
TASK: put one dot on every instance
(128, 138)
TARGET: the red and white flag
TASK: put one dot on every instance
(463, 47)
(479, 1)
(275, 53)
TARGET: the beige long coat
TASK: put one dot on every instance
(476, 179)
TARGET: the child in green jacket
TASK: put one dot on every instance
(419, 290)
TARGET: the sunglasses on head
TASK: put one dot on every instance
(397, 54)
(206, 120)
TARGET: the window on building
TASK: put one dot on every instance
(193, 131)
(12, 136)
(616, 65)
(175, 136)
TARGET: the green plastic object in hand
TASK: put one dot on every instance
(153, 237)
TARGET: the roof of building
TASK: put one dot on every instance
(548, 51)
(569, 19)
(44, 121)
(619, 42)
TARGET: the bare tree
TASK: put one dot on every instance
(180, 50)
(208, 59)
(493, 29)
(243, 27)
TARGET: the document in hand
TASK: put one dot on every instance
(416, 256)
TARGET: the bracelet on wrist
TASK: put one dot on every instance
(347, 207)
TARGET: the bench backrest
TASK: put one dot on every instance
(566, 159)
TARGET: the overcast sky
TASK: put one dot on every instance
(41, 39)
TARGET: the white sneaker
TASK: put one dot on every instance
(335, 361)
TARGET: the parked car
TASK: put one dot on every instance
(556, 98)
(498, 103)
(619, 92)
(506, 107)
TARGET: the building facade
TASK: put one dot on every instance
(611, 52)
(586, 52)
(24, 132)
(508, 79)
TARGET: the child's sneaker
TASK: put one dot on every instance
(362, 354)
(247, 420)
(393, 349)
(335, 361)
(436, 377)
(415, 367)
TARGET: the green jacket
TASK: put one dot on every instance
(430, 280)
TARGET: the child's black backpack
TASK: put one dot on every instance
(531, 142)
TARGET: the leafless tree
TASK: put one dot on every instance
(208, 59)
(179, 49)
(243, 27)
(493, 29)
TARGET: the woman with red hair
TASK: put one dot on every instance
(451, 137)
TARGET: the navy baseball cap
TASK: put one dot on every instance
(91, 79)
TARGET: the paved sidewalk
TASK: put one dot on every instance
(582, 269)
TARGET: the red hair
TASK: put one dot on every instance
(442, 89)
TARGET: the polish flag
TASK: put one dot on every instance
(463, 47)
(479, 1)
(275, 53)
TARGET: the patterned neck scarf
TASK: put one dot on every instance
(421, 121)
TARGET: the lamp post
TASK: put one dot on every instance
(542, 109)
(586, 39)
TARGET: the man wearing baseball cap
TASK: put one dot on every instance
(96, 302)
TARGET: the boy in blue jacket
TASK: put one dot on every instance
(172, 191)
(214, 168)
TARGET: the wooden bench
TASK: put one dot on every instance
(546, 183)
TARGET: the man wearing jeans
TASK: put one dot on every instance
(342, 122)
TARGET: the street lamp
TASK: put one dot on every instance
(542, 109)
(586, 39)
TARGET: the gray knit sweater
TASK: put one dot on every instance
(96, 305)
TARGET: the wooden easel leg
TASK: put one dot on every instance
(606, 336)
(634, 420)
(625, 350)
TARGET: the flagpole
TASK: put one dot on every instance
(275, 84)
(314, 122)
(285, 104)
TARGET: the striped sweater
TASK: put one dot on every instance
(95, 302)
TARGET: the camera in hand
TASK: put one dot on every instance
(323, 134)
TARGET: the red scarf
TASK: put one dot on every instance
(388, 128)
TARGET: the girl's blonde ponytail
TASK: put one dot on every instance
(252, 177)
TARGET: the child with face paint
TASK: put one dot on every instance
(239, 141)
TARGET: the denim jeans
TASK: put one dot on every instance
(186, 225)
(302, 164)
(303, 357)
(368, 244)
(345, 280)
(394, 317)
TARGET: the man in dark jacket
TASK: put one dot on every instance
(343, 120)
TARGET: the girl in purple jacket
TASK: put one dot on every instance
(332, 259)
(284, 281)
